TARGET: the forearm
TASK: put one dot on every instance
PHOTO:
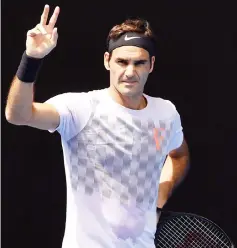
(165, 190)
(21, 94)
(19, 102)
(173, 172)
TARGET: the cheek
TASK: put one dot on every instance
(117, 73)
(143, 75)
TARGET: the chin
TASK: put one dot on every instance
(129, 91)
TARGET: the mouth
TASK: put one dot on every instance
(129, 82)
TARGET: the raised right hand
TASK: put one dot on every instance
(42, 39)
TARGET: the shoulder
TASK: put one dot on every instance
(164, 107)
(66, 97)
(69, 98)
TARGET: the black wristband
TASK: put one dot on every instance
(28, 68)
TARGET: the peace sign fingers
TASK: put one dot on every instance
(54, 18)
(42, 39)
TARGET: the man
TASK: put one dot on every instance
(115, 140)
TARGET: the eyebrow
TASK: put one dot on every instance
(138, 60)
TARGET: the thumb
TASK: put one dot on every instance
(33, 32)
(54, 36)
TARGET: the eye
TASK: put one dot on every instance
(140, 62)
(122, 62)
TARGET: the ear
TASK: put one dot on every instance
(152, 63)
(106, 61)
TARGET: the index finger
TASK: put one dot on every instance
(44, 15)
(54, 17)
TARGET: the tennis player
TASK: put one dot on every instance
(115, 140)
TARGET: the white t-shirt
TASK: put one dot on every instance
(113, 159)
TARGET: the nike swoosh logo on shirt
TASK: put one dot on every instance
(130, 38)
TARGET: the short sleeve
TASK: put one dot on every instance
(177, 135)
(74, 110)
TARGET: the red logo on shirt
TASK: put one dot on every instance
(158, 137)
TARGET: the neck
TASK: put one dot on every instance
(137, 102)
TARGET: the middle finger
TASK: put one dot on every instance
(54, 18)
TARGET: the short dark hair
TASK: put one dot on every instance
(137, 25)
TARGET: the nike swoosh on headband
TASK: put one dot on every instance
(130, 38)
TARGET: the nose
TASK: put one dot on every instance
(130, 71)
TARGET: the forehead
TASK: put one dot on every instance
(131, 53)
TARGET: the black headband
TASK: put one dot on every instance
(133, 39)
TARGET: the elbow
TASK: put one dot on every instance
(8, 116)
(15, 119)
(11, 119)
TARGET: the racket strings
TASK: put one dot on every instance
(210, 234)
(213, 233)
(190, 237)
(177, 235)
(190, 232)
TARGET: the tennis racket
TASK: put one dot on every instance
(187, 230)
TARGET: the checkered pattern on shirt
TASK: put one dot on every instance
(117, 157)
